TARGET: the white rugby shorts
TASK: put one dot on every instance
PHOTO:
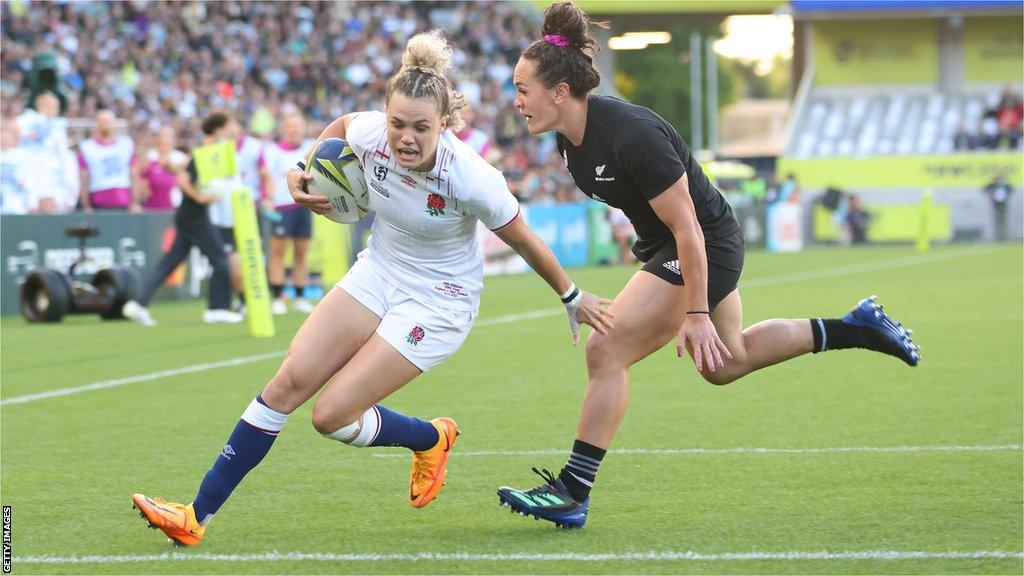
(425, 335)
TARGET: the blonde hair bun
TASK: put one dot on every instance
(429, 52)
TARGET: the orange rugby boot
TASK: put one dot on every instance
(177, 521)
(430, 467)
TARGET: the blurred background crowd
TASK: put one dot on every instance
(132, 70)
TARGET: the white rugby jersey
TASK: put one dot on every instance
(109, 165)
(18, 181)
(248, 158)
(424, 232)
(279, 160)
(222, 212)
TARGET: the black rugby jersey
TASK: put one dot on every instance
(630, 155)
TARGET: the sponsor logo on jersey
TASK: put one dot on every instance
(380, 189)
(435, 205)
(408, 181)
(600, 177)
(380, 173)
(415, 335)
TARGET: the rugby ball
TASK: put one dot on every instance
(338, 177)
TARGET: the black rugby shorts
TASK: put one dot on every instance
(725, 263)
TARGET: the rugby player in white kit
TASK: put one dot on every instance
(406, 305)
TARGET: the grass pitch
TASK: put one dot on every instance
(845, 462)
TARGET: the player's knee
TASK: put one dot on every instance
(285, 389)
(359, 431)
(328, 422)
(600, 352)
(719, 377)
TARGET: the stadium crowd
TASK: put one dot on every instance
(70, 70)
(1000, 125)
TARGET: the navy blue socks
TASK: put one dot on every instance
(248, 444)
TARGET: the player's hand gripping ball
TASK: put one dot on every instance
(338, 177)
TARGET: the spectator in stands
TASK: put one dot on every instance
(1008, 115)
(988, 131)
(106, 161)
(157, 64)
(963, 140)
(18, 170)
(193, 228)
(159, 172)
(857, 220)
(477, 139)
(999, 192)
(44, 133)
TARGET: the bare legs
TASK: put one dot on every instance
(649, 312)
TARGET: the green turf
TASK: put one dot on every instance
(70, 463)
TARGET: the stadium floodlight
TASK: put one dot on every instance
(659, 37)
(627, 43)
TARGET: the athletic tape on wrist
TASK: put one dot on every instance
(570, 294)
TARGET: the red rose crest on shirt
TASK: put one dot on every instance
(435, 205)
(415, 335)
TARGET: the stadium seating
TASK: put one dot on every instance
(865, 123)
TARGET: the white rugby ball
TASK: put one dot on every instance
(338, 177)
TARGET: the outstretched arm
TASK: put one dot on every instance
(582, 307)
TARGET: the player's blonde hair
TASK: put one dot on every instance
(426, 59)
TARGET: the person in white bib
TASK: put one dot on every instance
(405, 306)
(106, 161)
(293, 224)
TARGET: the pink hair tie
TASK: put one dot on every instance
(557, 40)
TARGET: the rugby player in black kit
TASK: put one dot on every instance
(690, 242)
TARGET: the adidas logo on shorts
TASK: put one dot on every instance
(672, 266)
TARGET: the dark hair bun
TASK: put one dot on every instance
(573, 63)
(568, 20)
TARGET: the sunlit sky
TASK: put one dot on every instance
(757, 38)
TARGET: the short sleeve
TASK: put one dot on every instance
(488, 197)
(365, 130)
(646, 153)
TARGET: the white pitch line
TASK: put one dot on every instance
(652, 556)
(863, 267)
(141, 378)
(756, 282)
(739, 450)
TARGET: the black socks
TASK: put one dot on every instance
(580, 471)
